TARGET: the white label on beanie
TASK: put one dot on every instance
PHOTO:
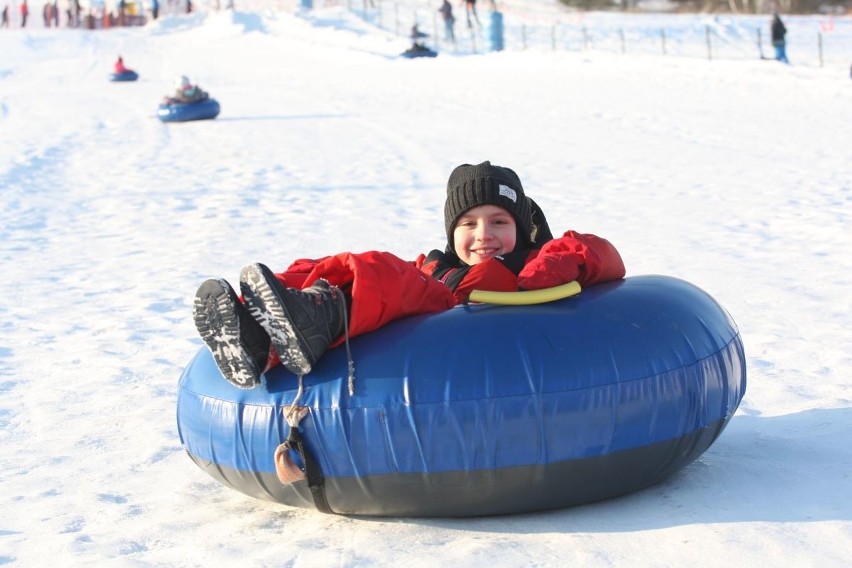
(507, 191)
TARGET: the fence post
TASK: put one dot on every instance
(709, 46)
(819, 37)
(435, 38)
(621, 37)
(586, 39)
(524, 36)
(553, 37)
(760, 43)
(663, 38)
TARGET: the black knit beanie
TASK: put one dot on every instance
(483, 184)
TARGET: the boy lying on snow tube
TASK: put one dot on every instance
(497, 239)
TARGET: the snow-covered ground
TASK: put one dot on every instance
(732, 173)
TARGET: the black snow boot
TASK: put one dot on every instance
(301, 323)
(239, 344)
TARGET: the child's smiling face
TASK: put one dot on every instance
(484, 232)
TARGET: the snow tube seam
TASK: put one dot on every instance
(405, 403)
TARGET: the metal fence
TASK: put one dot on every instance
(811, 40)
(543, 26)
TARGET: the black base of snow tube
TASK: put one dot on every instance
(412, 53)
(511, 490)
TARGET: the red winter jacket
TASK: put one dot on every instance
(384, 287)
(586, 258)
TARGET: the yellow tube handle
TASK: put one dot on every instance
(526, 297)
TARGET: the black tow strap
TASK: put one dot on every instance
(313, 473)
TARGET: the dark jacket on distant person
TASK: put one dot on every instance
(779, 30)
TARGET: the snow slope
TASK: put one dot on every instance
(733, 174)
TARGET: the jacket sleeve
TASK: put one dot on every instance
(495, 274)
(492, 274)
(587, 258)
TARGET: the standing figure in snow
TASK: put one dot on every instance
(497, 239)
(470, 8)
(5, 23)
(446, 11)
(779, 42)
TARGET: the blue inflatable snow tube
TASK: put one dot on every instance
(124, 76)
(484, 409)
(184, 112)
(415, 53)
